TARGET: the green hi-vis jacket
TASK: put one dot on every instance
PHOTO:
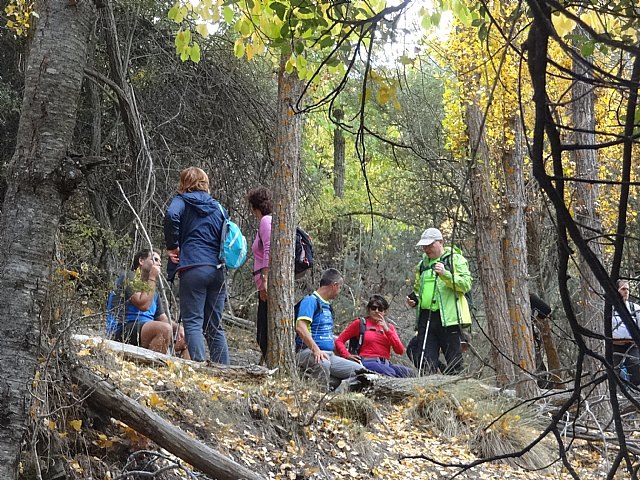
(447, 295)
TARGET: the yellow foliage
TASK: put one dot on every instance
(76, 424)
(20, 13)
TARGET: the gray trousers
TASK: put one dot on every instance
(335, 366)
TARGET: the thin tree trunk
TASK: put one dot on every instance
(537, 273)
(143, 172)
(590, 306)
(336, 240)
(286, 174)
(488, 246)
(39, 179)
(515, 264)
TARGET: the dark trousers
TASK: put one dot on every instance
(262, 326)
(439, 338)
(130, 334)
(627, 357)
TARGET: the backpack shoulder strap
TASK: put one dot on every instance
(446, 260)
(363, 326)
(422, 266)
(224, 215)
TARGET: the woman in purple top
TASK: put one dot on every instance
(260, 204)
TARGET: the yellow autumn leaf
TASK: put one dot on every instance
(85, 352)
(562, 24)
(76, 467)
(103, 441)
(592, 19)
(203, 30)
(155, 400)
(87, 311)
(76, 424)
(384, 94)
(51, 424)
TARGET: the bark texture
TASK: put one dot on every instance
(514, 253)
(590, 304)
(286, 173)
(39, 178)
(488, 246)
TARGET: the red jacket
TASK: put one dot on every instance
(376, 342)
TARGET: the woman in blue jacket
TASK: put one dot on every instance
(192, 230)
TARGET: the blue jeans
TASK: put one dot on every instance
(385, 367)
(202, 295)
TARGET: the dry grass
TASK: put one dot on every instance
(354, 406)
(465, 408)
(499, 433)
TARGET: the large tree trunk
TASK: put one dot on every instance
(39, 178)
(488, 246)
(286, 175)
(515, 264)
(590, 304)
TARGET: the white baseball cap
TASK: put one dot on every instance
(429, 236)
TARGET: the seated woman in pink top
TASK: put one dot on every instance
(379, 338)
(260, 203)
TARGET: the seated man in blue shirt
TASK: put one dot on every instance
(135, 312)
(314, 333)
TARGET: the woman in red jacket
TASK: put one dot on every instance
(379, 338)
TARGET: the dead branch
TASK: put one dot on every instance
(105, 398)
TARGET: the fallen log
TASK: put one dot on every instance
(155, 358)
(400, 389)
(107, 399)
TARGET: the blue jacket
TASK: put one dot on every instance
(194, 222)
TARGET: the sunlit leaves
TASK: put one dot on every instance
(19, 13)
(75, 425)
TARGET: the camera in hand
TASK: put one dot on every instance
(413, 296)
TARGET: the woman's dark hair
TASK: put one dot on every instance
(142, 255)
(260, 199)
(376, 300)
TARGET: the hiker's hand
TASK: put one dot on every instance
(174, 255)
(354, 358)
(154, 273)
(382, 323)
(409, 302)
(438, 267)
(319, 355)
(263, 294)
(180, 334)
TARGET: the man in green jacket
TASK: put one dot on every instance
(442, 279)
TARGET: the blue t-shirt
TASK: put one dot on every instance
(120, 297)
(321, 321)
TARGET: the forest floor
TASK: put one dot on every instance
(289, 429)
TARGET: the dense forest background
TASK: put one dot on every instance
(510, 126)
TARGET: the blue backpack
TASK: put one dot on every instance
(233, 245)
